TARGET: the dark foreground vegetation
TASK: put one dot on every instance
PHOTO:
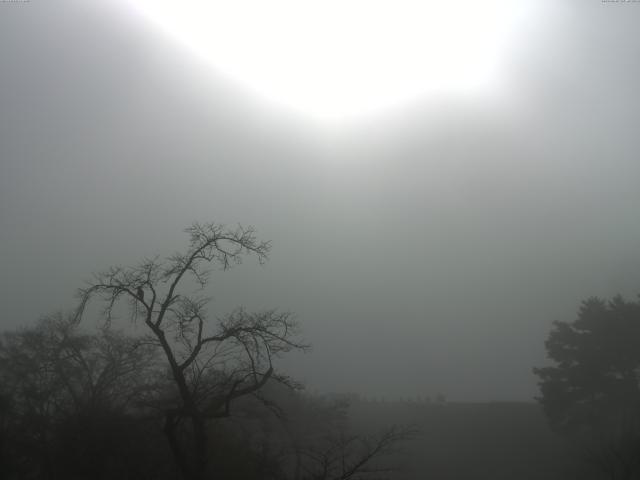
(187, 396)
(190, 397)
(79, 405)
(496, 441)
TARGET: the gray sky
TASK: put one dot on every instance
(424, 251)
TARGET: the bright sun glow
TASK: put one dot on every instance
(336, 59)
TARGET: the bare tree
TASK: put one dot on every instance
(211, 364)
(315, 438)
(355, 456)
(56, 383)
(341, 455)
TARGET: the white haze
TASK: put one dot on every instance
(427, 251)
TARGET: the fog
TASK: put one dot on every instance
(425, 250)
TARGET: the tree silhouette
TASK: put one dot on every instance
(592, 392)
(212, 363)
(69, 401)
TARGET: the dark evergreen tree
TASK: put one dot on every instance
(592, 392)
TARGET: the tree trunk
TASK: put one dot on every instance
(200, 441)
(179, 454)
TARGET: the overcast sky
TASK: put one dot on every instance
(424, 250)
